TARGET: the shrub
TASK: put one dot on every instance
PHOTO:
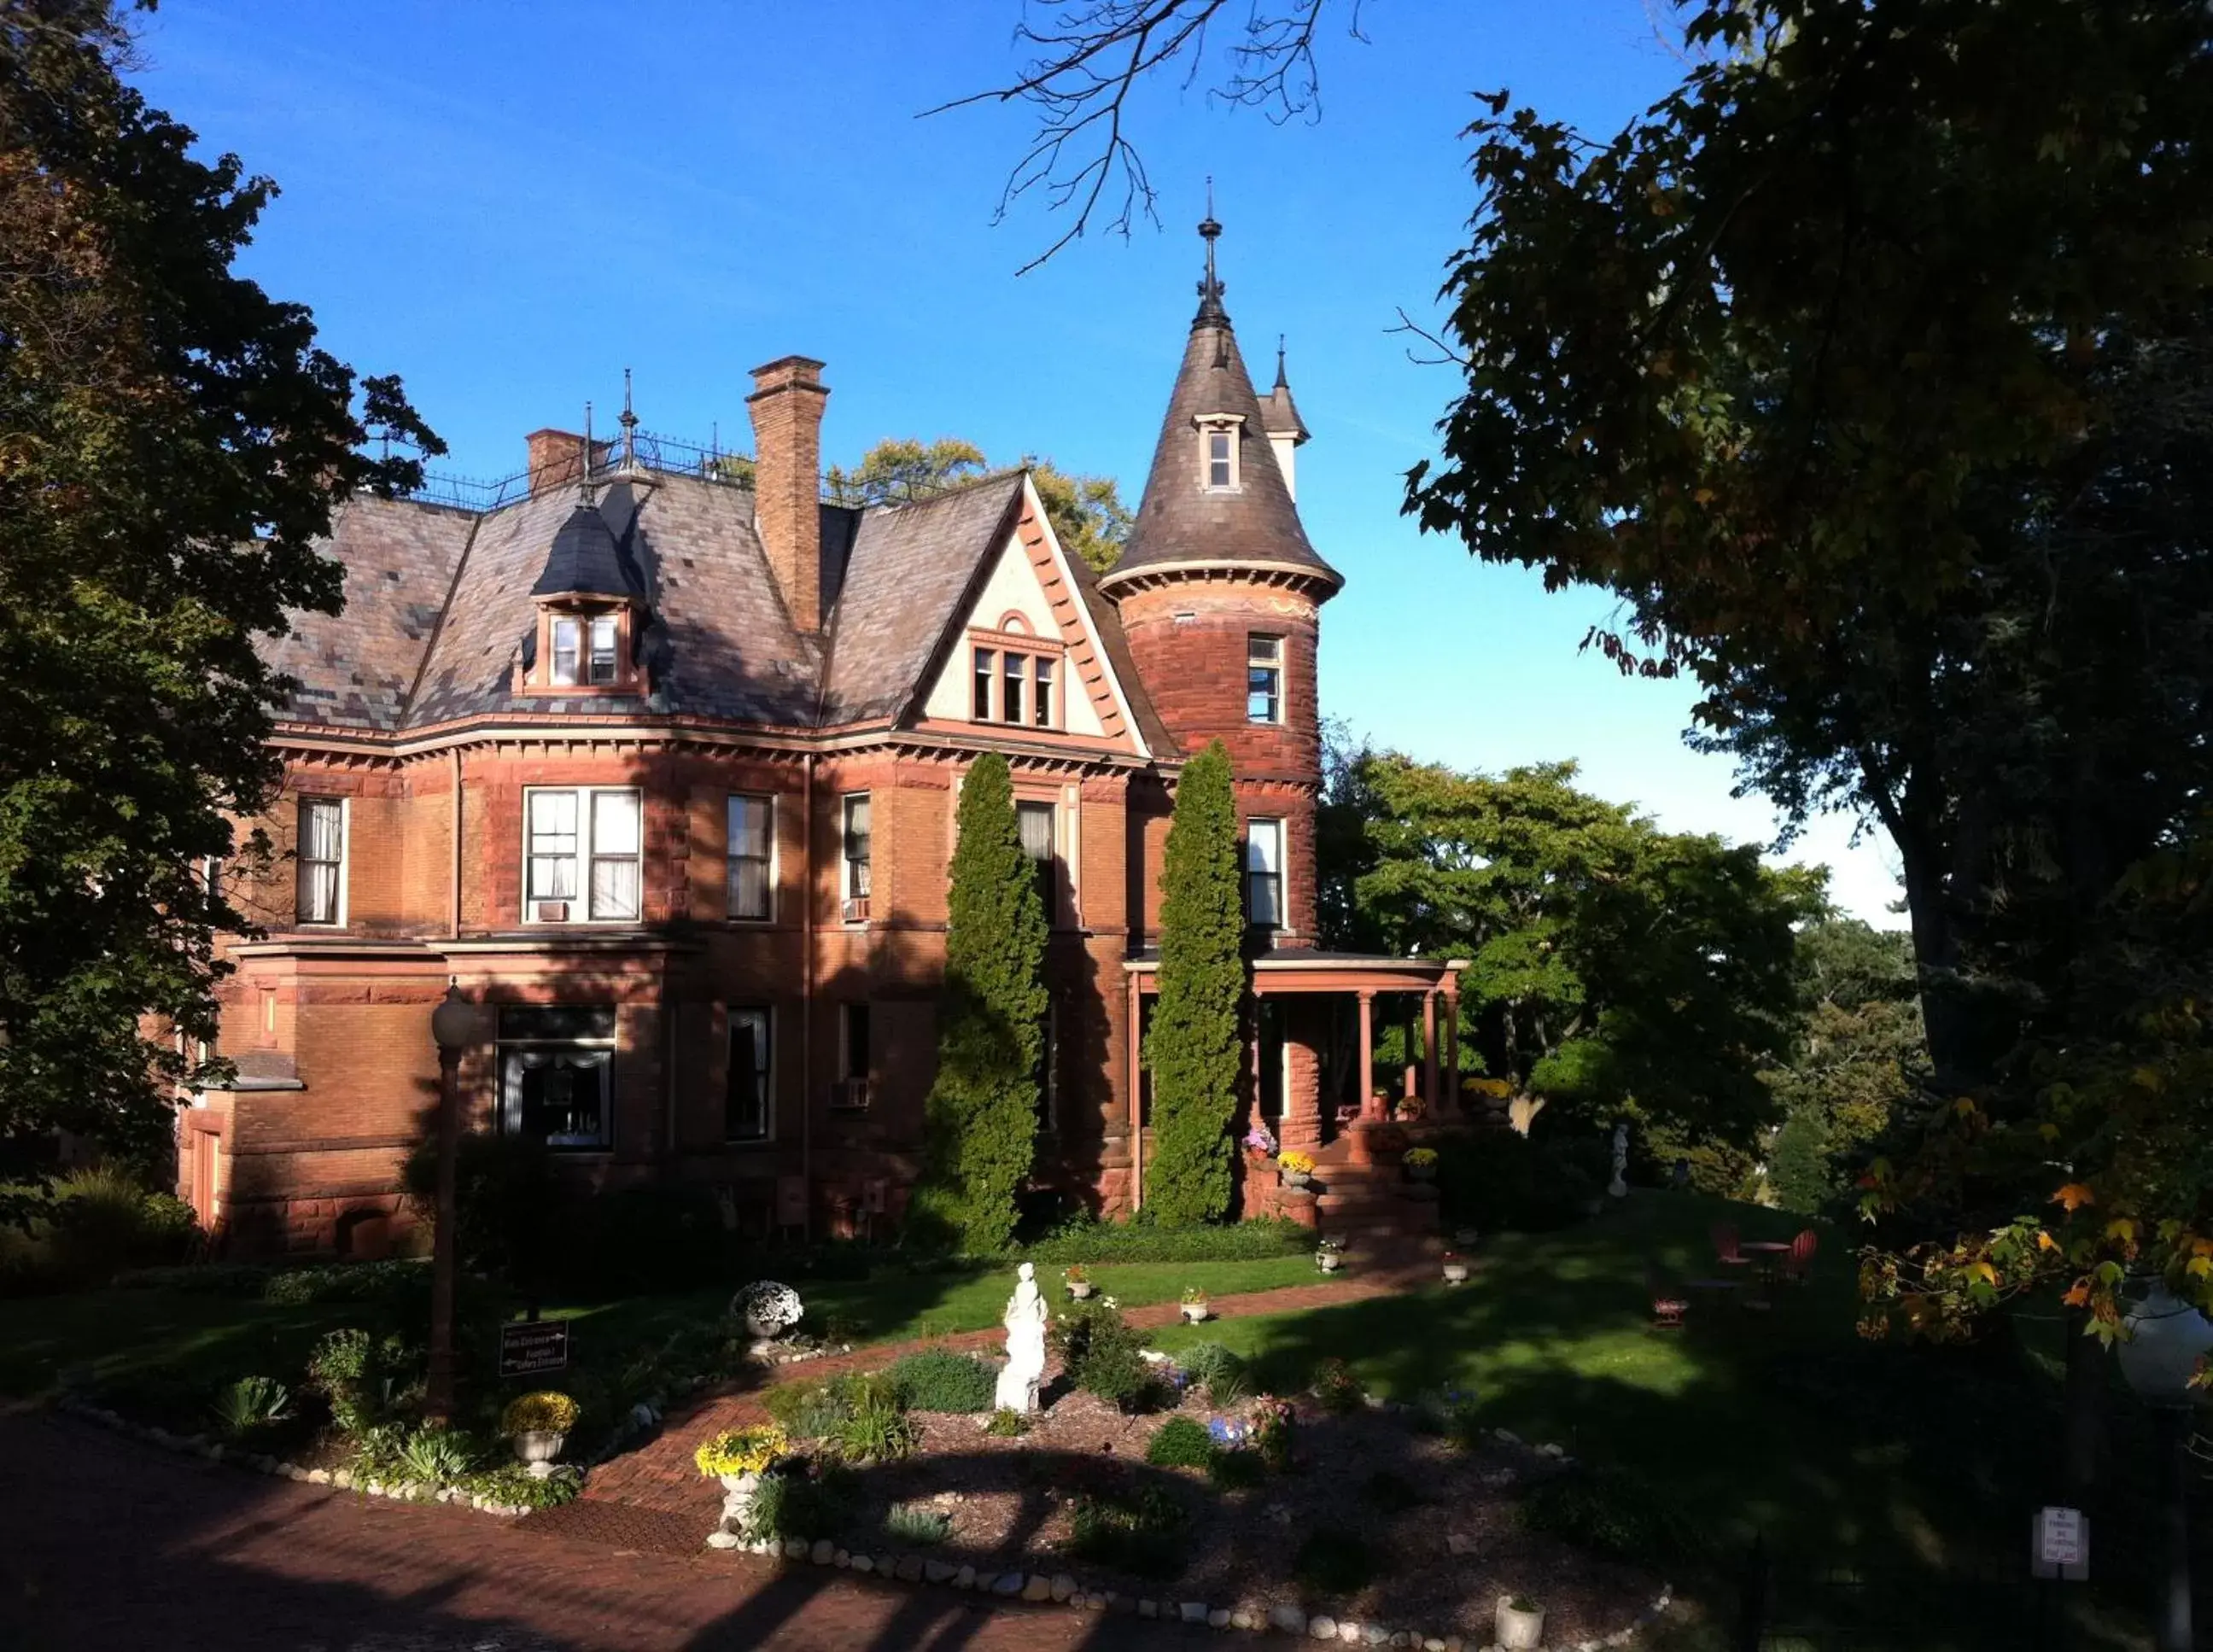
(1452, 1413)
(1138, 1530)
(875, 1428)
(1234, 1470)
(511, 1485)
(1120, 1376)
(1007, 1424)
(1338, 1391)
(1180, 1443)
(1273, 1423)
(1211, 1365)
(348, 1281)
(92, 1224)
(806, 1499)
(438, 1456)
(365, 1378)
(546, 1411)
(740, 1451)
(1333, 1561)
(1089, 1240)
(937, 1379)
(250, 1403)
(916, 1523)
(1612, 1511)
(1196, 1046)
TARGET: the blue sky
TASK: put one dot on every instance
(508, 204)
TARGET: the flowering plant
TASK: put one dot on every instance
(1296, 1163)
(1325, 1243)
(1075, 1274)
(1228, 1432)
(543, 1413)
(1270, 1432)
(740, 1451)
(766, 1303)
(1192, 1296)
(1421, 1156)
(1411, 1107)
(1260, 1139)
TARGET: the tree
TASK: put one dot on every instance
(1086, 512)
(1614, 969)
(981, 1114)
(1870, 372)
(1859, 1050)
(172, 444)
(1194, 1047)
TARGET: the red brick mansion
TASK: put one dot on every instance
(657, 763)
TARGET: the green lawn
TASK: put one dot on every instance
(107, 1336)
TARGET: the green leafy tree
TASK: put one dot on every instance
(172, 444)
(1859, 1049)
(1194, 1046)
(1613, 968)
(981, 1113)
(1086, 512)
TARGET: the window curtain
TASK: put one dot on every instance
(749, 857)
(553, 845)
(321, 853)
(856, 846)
(615, 855)
(558, 1096)
(1264, 860)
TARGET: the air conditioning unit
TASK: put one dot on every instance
(852, 1093)
(551, 911)
(856, 910)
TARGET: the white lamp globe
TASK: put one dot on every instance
(2167, 1338)
(453, 1021)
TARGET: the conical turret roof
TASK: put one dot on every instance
(1183, 523)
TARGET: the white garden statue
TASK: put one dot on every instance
(1025, 1369)
(1619, 1188)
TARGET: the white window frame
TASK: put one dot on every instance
(577, 663)
(1227, 429)
(984, 673)
(730, 858)
(584, 856)
(741, 1015)
(1255, 662)
(594, 624)
(1045, 681)
(337, 921)
(1272, 827)
(1049, 875)
(845, 880)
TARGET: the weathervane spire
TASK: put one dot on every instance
(629, 423)
(1211, 288)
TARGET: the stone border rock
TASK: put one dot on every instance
(198, 1445)
(1061, 1588)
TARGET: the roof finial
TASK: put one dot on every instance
(1211, 288)
(1282, 383)
(584, 459)
(629, 423)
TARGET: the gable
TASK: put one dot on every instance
(1030, 591)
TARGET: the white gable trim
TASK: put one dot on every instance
(1034, 507)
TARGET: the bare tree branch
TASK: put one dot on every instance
(1091, 55)
(1445, 355)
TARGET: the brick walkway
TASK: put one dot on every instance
(659, 1480)
(109, 1546)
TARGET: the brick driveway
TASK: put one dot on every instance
(107, 1545)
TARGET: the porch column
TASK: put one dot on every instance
(1407, 1081)
(1134, 1072)
(1367, 1069)
(1301, 1123)
(1429, 1049)
(1448, 1099)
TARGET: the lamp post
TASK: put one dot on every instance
(2167, 1338)
(451, 1024)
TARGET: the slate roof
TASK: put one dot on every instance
(1179, 521)
(584, 559)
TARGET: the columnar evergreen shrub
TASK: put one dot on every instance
(981, 1116)
(1194, 1049)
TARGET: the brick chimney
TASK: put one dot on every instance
(554, 456)
(787, 406)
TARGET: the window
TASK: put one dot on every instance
(555, 1064)
(322, 860)
(1036, 823)
(853, 1052)
(1263, 679)
(1220, 460)
(1010, 699)
(984, 662)
(1264, 874)
(1041, 711)
(567, 637)
(752, 882)
(745, 1105)
(570, 828)
(603, 648)
(857, 847)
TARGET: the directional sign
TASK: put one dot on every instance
(529, 1346)
(2061, 1545)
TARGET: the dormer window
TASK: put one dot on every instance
(583, 648)
(567, 633)
(1218, 457)
(604, 634)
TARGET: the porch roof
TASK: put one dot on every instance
(1306, 969)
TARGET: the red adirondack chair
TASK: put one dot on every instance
(1800, 1261)
(1668, 1301)
(1725, 1246)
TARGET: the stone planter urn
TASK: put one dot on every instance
(1079, 1288)
(1455, 1273)
(739, 1491)
(1297, 1178)
(1327, 1261)
(537, 1447)
(1518, 1627)
(1421, 1172)
(1196, 1313)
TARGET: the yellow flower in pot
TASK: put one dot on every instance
(538, 1425)
(1296, 1168)
(736, 1452)
(1421, 1163)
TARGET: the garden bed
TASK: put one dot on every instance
(1374, 1519)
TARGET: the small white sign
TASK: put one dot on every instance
(2063, 1544)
